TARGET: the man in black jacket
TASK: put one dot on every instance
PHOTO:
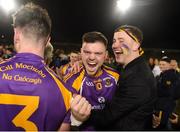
(167, 89)
(132, 105)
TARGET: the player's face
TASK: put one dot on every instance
(122, 47)
(164, 65)
(174, 64)
(93, 56)
(73, 57)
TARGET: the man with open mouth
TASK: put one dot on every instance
(95, 81)
(132, 104)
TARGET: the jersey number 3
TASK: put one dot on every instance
(21, 119)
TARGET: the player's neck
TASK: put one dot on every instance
(37, 49)
(97, 74)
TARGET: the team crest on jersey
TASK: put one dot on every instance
(101, 100)
(98, 84)
(168, 82)
(108, 82)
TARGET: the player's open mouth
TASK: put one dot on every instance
(118, 52)
(92, 64)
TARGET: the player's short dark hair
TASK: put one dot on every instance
(94, 36)
(33, 20)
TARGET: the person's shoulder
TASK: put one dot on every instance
(111, 71)
(170, 73)
(74, 74)
(63, 66)
(53, 79)
(75, 80)
(50, 73)
(5, 61)
(105, 67)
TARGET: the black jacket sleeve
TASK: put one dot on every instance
(131, 99)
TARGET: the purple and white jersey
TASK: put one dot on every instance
(31, 96)
(97, 90)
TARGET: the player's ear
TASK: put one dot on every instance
(16, 35)
(48, 40)
(136, 46)
(106, 54)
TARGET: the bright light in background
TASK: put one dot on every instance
(123, 5)
(7, 5)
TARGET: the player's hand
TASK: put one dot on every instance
(156, 121)
(174, 118)
(80, 108)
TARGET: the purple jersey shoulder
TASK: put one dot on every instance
(31, 94)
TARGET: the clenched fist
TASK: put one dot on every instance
(80, 108)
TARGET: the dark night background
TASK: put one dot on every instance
(158, 19)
